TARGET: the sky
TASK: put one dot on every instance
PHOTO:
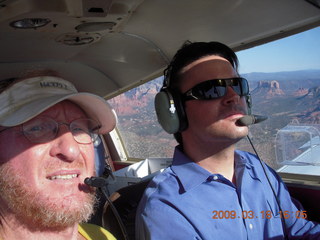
(297, 52)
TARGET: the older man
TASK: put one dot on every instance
(47, 130)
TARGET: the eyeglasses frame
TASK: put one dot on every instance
(59, 124)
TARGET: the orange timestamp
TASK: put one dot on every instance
(252, 215)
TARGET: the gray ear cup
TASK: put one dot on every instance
(167, 113)
(170, 111)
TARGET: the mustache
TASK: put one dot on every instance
(54, 165)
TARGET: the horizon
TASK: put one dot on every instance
(300, 70)
(294, 53)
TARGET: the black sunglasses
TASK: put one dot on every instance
(217, 88)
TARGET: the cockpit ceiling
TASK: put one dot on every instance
(108, 46)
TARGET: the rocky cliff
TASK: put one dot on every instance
(268, 89)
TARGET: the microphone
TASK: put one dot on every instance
(97, 182)
(101, 183)
(250, 119)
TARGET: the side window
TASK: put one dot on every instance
(284, 78)
(140, 131)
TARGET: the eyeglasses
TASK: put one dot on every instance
(217, 88)
(44, 129)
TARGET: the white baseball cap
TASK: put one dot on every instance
(28, 98)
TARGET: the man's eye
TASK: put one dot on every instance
(36, 128)
(80, 130)
(77, 129)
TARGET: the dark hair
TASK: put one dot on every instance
(188, 53)
(192, 51)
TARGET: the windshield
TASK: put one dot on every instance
(284, 80)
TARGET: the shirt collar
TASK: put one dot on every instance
(191, 174)
(241, 161)
(244, 162)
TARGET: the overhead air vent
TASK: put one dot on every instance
(27, 23)
(74, 39)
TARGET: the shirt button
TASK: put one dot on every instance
(215, 177)
(250, 226)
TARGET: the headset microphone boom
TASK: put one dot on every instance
(250, 119)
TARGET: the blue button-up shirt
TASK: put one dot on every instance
(188, 202)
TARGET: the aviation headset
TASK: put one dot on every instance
(169, 106)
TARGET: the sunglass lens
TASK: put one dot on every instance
(244, 87)
(215, 92)
(210, 90)
(236, 86)
(217, 88)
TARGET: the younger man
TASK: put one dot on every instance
(212, 190)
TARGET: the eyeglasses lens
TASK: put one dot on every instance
(44, 129)
(84, 130)
(40, 130)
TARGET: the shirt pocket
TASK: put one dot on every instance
(274, 208)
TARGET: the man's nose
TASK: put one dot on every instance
(231, 96)
(64, 146)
